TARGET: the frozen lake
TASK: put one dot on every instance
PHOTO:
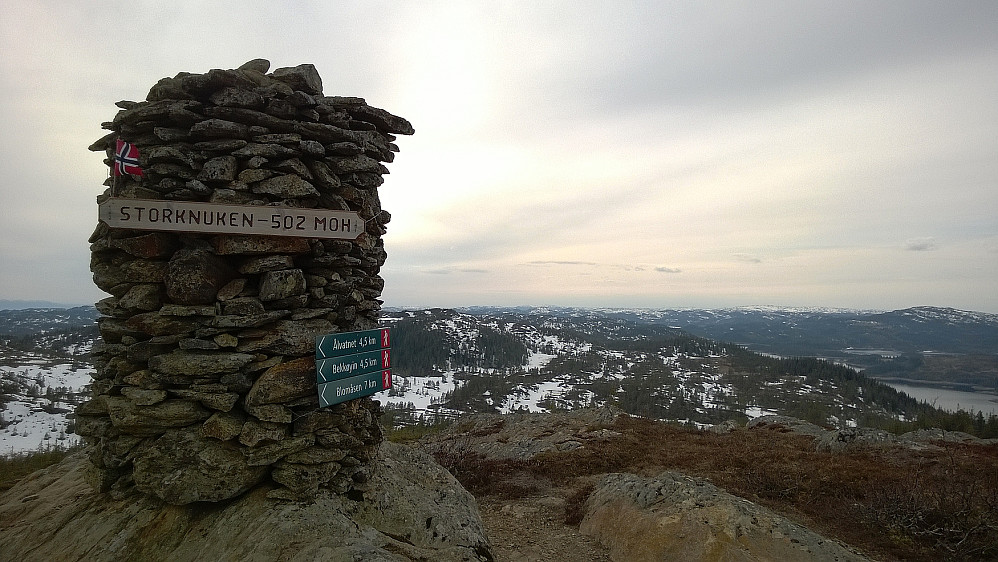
(951, 400)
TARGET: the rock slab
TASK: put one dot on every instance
(415, 511)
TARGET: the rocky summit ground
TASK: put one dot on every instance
(600, 485)
(582, 485)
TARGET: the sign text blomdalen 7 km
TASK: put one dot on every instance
(188, 216)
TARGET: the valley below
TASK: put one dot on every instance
(535, 410)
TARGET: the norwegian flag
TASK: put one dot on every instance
(126, 159)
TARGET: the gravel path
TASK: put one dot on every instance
(533, 530)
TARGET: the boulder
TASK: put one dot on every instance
(675, 517)
(853, 438)
(786, 424)
(303, 77)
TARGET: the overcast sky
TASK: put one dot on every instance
(643, 154)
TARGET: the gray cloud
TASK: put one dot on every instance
(701, 54)
(748, 258)
(630, 134)
(920, 244)
(452, 270)
(557, 262)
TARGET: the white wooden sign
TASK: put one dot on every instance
(187, 216)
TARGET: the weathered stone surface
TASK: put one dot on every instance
(304, 478)
(360, 163)
(257, 65)
(128, 417)
(231, 289)
(271, 413)
(221, 401)
(256, 245)
(144, 296)
(523, 436)
(143, 379)
(316, 455)
(184, 310)
(67, 520)
(196, 364)
(94, 407)
(155, 324)
(195, 276)
(237, 97)
(219, 128)
(288, 186)
(297, 337)
(293, 166)
(303, 77)
(193, 344)
(251, 175)
(285, 382)
(152, 245)
(261, 264)
(326, 418)
(219, 169)
(255, 432)
(243, 306)
(382, 119)
(223, 425)
(226, 340)
(239, 321)
(269, 150)
(221, 145)
(273, 452)
(675, 517)
(142, 397)
(95, 426)
(854, 438)
(143, 271)
(275, 285)
(785, 424)
(182, 467)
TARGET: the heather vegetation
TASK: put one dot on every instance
(892, 503)
(15, 467)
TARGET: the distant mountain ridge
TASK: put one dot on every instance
(663, 364)
(14, 304)
(817, 332)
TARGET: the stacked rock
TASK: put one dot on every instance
(205, 380)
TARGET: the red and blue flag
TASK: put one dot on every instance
(126, 159)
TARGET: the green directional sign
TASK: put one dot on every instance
(346, 343)
(334, 368)
(357, 386)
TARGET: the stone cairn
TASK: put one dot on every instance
(205, 379)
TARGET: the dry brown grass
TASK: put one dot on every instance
(895, 504)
